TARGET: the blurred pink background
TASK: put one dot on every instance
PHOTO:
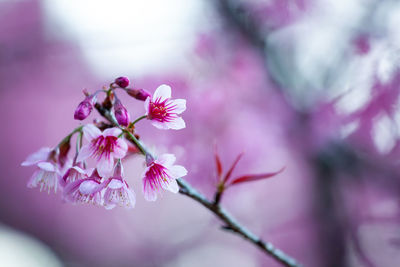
(318, 94)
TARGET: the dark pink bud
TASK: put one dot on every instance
(139, 94)
(121, 114)
(122, 82)
(84, 108)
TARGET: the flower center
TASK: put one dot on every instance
(161, 111)
(103, 146)
(157, 174)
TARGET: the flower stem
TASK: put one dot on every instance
(137, 142)
(68, 137)
(138, 119)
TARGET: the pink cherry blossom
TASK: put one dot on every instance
(117, 191)
(48, 173)
(104, 147)
(161, 174)
(163, 111)
(84, 191)
(75, 173)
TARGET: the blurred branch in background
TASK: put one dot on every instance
(338, 162)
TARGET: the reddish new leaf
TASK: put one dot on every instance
(229, 173)
(255, 177)
(218, 163)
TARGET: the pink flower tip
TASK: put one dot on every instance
(121, 114)
(122, 82)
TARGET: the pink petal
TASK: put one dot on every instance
(112, 132)
(115, 184)
(41, 155)
(162, 93)
(177, 171)
(166, 160)
(91, 132)
(88, 187)
(78, 169)
(146, 105)
(176, 124)
(120, 148)
(148, 192)
(105, 167)
(180, 105)
(47, 166)
(160, 125)
(37, 175)
(84, 153)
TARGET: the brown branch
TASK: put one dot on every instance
(235, 227)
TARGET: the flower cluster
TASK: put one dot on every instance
(95, 174)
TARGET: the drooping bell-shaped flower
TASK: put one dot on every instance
(117, 191)
(75, 173)
(48, 173)
(84, 191)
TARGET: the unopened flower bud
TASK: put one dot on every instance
(122, 82)
(121, 114)
(84, 108)
(139, 94)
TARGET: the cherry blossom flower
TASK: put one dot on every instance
(161, 174)
(163, 111)
(75, 173)
(84, 191)
(117, 191)
(48, 174)
(104, 147)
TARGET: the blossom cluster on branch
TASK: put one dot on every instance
(95, 173)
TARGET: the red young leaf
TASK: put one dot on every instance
(218, 162)
(229, 173)
(255, 177)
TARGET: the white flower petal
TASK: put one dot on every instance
(91, 132)
(177, 171)
(180, 105)
(146, 105)
(173, 186)
(120, 149)
(166, 160)
(41, 155)
(105, 167)
(112, 132)
(162, 93)
(176, 124)
(84, 153)
(148, 193)
(160, 125)
(47, 166)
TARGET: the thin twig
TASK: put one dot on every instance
(235, 227)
